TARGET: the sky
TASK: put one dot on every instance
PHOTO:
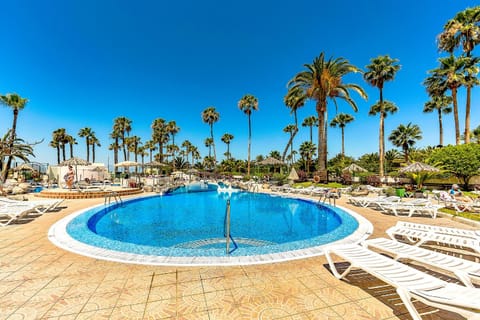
(85, 63)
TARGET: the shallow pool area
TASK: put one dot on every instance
(188, 229)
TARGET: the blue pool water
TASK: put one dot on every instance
(192, 224)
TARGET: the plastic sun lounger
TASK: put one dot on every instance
(409, 282)
(464, 270)
(420, 237)
(13, 212)
(412, 207)
(474, 234)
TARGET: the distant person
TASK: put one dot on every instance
(70, 177)
(457, 194)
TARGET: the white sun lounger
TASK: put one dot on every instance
(474, 234)
(464, 270)
(421, 206)
(409, 282)
(14, 212)
(421, 237)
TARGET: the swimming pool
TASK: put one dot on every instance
(188, 228)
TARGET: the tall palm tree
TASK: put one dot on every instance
(307, 152)
(123, 126)
(341, 121)
(294, 99)
(55, 144)
(441, 104)
(210, 116)
(209, 143)
(248, 103)
(150, 146)
(115, 146)
(321, 81)
(86, 133)
(311, 122)
(449, 76)
(463, 30)
(17, 103)
(188, 146)
(385, 108)
(159, 135)
(292, 130)
(227, 138)
(173, 129)
(405, 137)
(94, 142)
(380, 70)
(71, 141)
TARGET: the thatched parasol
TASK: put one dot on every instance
(293, 175)
(75, 162)
(270, 161)
(354, 168)
(418, 167)
(24, 166)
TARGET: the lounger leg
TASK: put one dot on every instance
(334, 269)
(406, 299)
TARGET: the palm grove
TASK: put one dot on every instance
(322, 83)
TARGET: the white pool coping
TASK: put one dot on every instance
(59, 236)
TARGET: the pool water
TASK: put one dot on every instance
(192, 224)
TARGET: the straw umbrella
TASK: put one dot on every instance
(353, 168)
(24, 167)
(293, 175)
(271, 161)
(419, 172)
(75, 162)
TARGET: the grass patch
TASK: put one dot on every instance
(466, 215)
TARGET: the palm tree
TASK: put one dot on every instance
(58, 141)
(71, 141)
(94, 142)
(385, 108)
(441, 104)
(449, 76)
(159, 135)
(123, 126)
(55, 144)
(247, 104)
(310, 122)
(188, 146)
(21, 149)
(173, 129)
(341, 121)
(210, 116)
(150, 146)
(405, 137)
(307, 152)
(17, 103)
(208, 144)
(321, 81)
(86, 133)
(115, 146)
(292, 130)
(463, 30)
(294, 99)
(227, 138)
(380, 70)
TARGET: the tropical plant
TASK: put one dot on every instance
(173, 129)
(160, 135)
(248, 103)
(321, 81)
(441, 104)
(476, 134)
(209, 143)
(86, 133)
(292, 130)
(210, 116)
(391, 156)
(18, 150)
(94, 142)
(369, 161)
(380, 70)
(307, 152)
(462, 160)
(294, 99)
(341, 121)
(310, 122)
(71, 141)
(227, 138)
(122, 126)
(17, 103)
(464, 30)
(275, 154)
(405, 137)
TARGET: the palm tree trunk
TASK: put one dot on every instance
(12, 139)
(467, 115)
(71, 150)
(322, 152)
(311, 134)
(455, 115)
(381, 144)
(88, 149)
(58, 154)
(93, 153)
(343, 142)
(440, 126)
(213, 144)
(249, 143)
(289, 144)
(63, 152)
(228, 151)
(115, 151)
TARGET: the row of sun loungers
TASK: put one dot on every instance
(411, 283)
(15, 210)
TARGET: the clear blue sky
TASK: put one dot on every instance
(84, 63)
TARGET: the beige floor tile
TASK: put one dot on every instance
(164, 292)
(353, 311)
(331, 296)
(324, 314)
(161, 309)
(130, 312)
(164, 278)
(67, 306)
(98, 301)
(219, 299)
(134, 296)
(96, 314)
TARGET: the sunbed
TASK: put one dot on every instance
(409, 282)
(14, 212)
(464, 270)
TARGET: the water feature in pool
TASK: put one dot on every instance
(192, 224)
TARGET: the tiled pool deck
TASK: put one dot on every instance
(41, 281)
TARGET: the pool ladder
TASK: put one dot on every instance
(226, 232)
(112, 195)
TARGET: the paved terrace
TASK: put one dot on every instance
(40, 281)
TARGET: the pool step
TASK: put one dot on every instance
(221, 241)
